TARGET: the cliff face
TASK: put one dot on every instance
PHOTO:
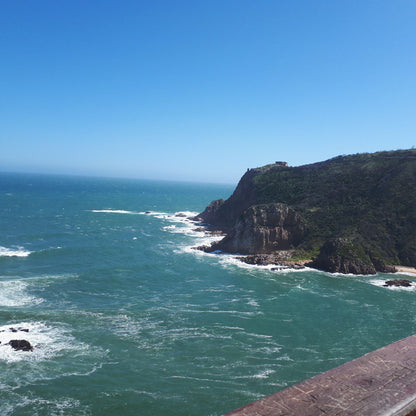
(222, 214)
(263, 229)
(366, 199)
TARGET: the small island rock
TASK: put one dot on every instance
(21, 345)
(398, 283)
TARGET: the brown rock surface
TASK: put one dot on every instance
(20, 345)
(263, 229)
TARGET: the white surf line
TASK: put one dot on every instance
(14, 252)
(115, 211)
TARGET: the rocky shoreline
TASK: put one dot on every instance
(284, 259)
(349, 215)
(281, 259)
(258, 244)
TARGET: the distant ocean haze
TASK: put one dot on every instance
(125, 317)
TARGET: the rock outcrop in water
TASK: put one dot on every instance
(20, 345)
(351, 214)
(398, 283)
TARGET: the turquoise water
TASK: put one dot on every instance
(127, 319)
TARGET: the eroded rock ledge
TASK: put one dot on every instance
(263, 229)
(270, 234)
(283, 258)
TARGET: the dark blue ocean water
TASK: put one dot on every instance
(127, 319)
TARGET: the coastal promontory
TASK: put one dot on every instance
(350, 214)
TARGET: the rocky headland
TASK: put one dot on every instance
(351, 214)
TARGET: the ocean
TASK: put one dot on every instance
(125, 318)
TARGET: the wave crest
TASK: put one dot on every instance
(14, 293)
(14, 252)
(115, 211)
(47, 341)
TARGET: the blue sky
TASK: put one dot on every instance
(201, 90)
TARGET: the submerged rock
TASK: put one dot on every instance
(12, 329)
(21, 345)
(398, 283)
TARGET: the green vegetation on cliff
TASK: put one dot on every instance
(366, 200)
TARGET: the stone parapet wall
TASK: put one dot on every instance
(380, 383)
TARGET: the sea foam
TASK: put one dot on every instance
(382, 282)
(186, 225)
(33, 405)
(115, 211)
(14, 252)
(47, 341)
(183, 223)
(14, 293)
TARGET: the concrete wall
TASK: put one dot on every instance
(380, 383)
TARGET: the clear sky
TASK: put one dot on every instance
(200, 90)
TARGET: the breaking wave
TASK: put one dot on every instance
(115, 211)
(14, 252)
(14, 293)
(47, 341)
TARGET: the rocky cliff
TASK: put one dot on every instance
(350, 214)
(222, 214)
(263, 229)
